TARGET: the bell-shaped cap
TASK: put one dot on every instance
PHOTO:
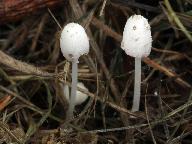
(74, 42)
(137, 41)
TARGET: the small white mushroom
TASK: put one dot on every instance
(74, 42)
(137, 42)
(80, 97)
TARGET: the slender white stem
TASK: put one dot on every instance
(73, 89)
(137, 85)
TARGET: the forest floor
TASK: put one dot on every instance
(33, 71)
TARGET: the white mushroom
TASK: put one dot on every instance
(137, 43)
(74, 42)
(80, 97)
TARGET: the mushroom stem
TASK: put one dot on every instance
(73, 90)
(137, 85)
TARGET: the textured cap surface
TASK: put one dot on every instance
(137, 39)
(74, 42)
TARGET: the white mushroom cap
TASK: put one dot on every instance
(80, 98)
(137, 41)
(74, 42)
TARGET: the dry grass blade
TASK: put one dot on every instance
(167, 72)
(176, 19)
(147, 115)
(22, 66)
(4, 101)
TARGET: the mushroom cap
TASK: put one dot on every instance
(137, 41)
(74, 42)
(80, 97)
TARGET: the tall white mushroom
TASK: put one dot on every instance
(137, 43)
(74, 42)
